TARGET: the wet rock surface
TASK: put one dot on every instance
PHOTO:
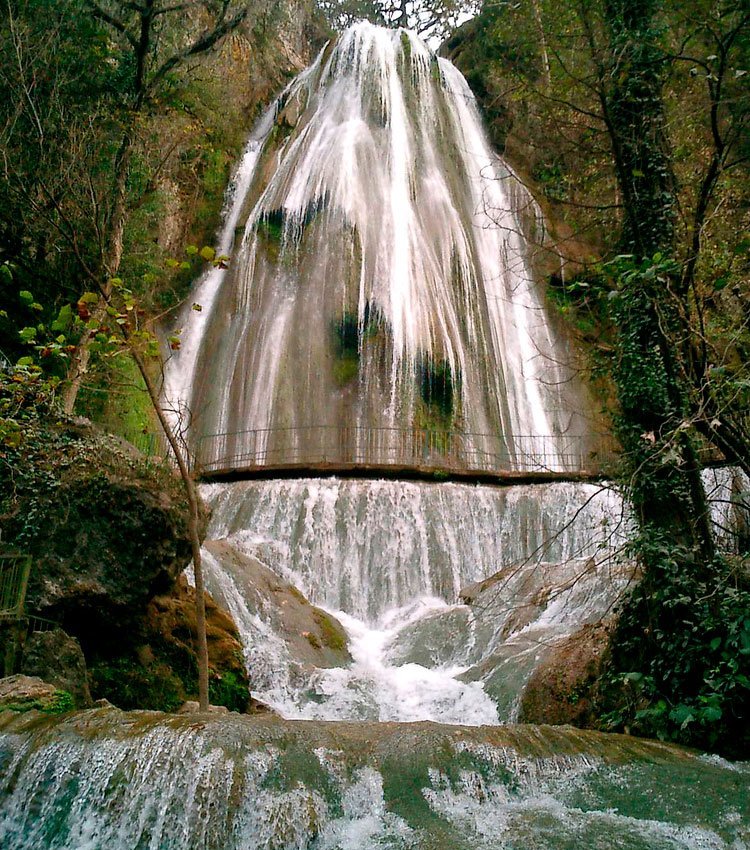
(312, 636)
(562, 688)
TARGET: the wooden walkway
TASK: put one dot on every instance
(404, 454)
(393, 472)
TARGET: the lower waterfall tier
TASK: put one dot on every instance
(394, 564)
(103, 778)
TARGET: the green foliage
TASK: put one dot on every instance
(271, 226)
(639, 369)
(61, 703)
(681, 653)
(552, 180)
(229, 690)
(332, 635)
(130, 685)
(345, 370)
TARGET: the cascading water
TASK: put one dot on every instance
(390, 561)
(382, 287)
(383, 280)
(103, 779)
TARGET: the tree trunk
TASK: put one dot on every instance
(193, 530)
(79, 361)
(542, 45)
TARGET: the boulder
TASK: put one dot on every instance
(157, 667)
(108, 533)
(57, 658)
(313, 637)
(107, 529)
(563, 688)
(23, 693)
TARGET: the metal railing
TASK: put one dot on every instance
(16, 623)
(15, 569)
(413, 448)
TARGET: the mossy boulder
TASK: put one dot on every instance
(107, 531)
(106, 527)
(57, 658)
(29, 693)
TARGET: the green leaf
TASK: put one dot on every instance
(682, 714)
(633, 677)
(172, 263)
(64, 319)
(26, 296)
(711, 713)
(207, 252)
(192, 250)
(25, 361)
(27, 334)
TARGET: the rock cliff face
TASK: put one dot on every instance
(107, 532)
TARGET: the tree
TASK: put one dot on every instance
(155, 39)
(432, 20)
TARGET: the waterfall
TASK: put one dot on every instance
(380, 307)
(382, 281)
(381, 285)
(105, 779)
(394, 562)
(366, 547)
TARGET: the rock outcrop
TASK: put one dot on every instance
(57, 658)
(107, 532)
(24, 693)
(312, 636)
(562, 688)
(106, 528)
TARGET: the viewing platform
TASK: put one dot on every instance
(410, 454)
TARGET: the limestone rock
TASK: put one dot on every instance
(57, 658)
(192, 707)
(562, 689)
(312, 636)
(22, 692)
(170, 627)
